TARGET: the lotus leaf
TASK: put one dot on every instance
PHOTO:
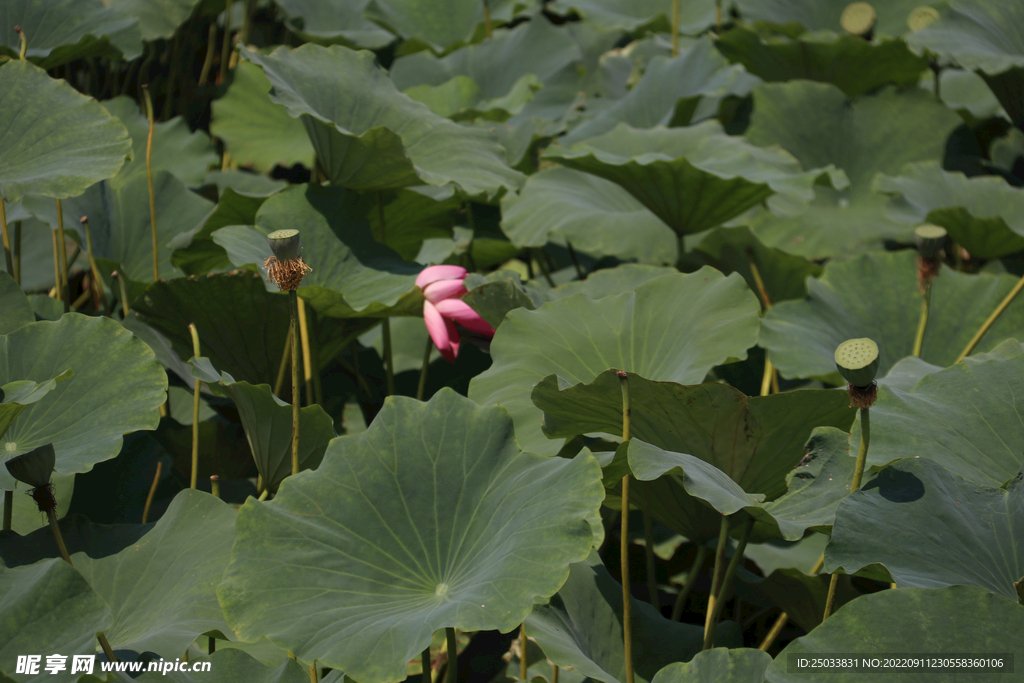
(718, 665)
(334, 21)
(195, 252)
(26, 517)
(157, 18)
(420, 22)
(411, 217)
(15, 310)
(18, 395)
(636, 15)
(65, 30)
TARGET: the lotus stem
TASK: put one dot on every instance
(52, 516)
(575, 261)
(627, 607)
(195, 410)
(774, 632)
(307, 368)
(991, 320)
(225, 50)
(293, 298)
(523, 664)
(149, 179)
(152, 491)
(56, 266)
(124, 291)
(105, 644)
(92, 261)
(8, 510)
(312, 673)
(554, 673)
(539, 257)
(453, 666)
(487, 19)
(716, 577)
(718, 16)
(285, 357)
(215, 485)
(389, 364)
(425, 664)
(726, 584)
(652, 574)
(63, 249)
(675, 28)
(263, 495)
(17, 250)
(923, 322)
(691, 579)
(422, 386)
(8, 254)
(211, 47)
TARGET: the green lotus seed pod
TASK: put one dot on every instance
(930, 240)
(285, 244)
(857, 361)
(921, 17)
(858, 18)
(35, 467)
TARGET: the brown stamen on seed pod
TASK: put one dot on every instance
(927, 270)
(287, 275)
(862, 397)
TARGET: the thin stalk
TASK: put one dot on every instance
(211, 47)
(24, 42)
(422, 386)
(487, 19)
(923, 322)
(766, 379)
(215, 485)
(107, 650)
(263, 495)
(247, 21)
(149, 179)
(360, 380)
(307, 368)
(675, 28)
(92, 262)
(52, 516)
(543, 266)
(56, 266)
(652, 575)
(8, 510)
(17, 251)
(726, 585)
(575, 261)
(124, 291)
(991, 319)
(523, 664)
(627, 607)
(453, 667)
(8, 254)
(389, 364)
(774, 632)
(195, 411)
(82, 298)
(285, 357)
(312, 673)
(718, 16)
(63, 248)
(152, 491)
(293, 308)
(716, 576)
(691, 579)
(318, 396)
(554, 673)
(425, 664)
(225, 50)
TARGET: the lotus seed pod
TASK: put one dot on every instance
(35, 467)
(858, 18)
(930, 240)
(921, 17)
(285, 244)
(857, 361)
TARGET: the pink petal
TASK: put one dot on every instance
(435, 273)
(460, 312)
(453, 336)
(440, 331)
(443, 289)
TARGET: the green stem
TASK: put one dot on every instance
(425, 664)
(93, 268)
(8, 254)
(307, 364)
(991, 319)
(312, 673)
(8, 510)
(211, 47)
(107, 650)
(652, 575)
(923, 323)
(63, 248)
(774, 632)
(523, 664)
(627, 606)
(294, 310)
(726, 584)
(575, 261)
(422, 386)
(716, 576)
(285, 356)
(389, 364)
(225, 51)
(718, 16)
(56, 264)
(487, 19)
(538, 256)
(195, 410)
(691, 579)
(152, 492)
(149, 179)
(124, 291)
(247, 21)
(17, 252)
(453, 665)
(57, 536)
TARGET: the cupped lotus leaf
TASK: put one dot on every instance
(15, 309)
(582, 627)
(64, 30)
(874, 295)
(964, 418)
(353, 275)
(420, 22)
(161, 588)
(824, 15)
(17, 395)
(256, 130)
(195, 252)
(636, 15)
(186, 154)
(672, 328)
(120, 225)
(951, 531)
(47, 607)
(594, 215)
(818, 125)
(984, 215)
(692, 178)
(231, 665)
(116, 388)
(375, 575)
(267, 421)
(673, 92)
(981, 35)
(61, 142)
(460, 100)
(157, 18)
(718, 665)
(389, 143)
(334, 21)
(910, 621)
(853, 64)
(608, 281)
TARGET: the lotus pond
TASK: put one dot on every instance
(633, 341)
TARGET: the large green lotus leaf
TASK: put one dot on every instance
(636, 15)
(256, 131)
(244, 181)
(460, 22)
(692, 178)
(784, 275)
(823, 15)
(120, 225)
(195, 252)
(231, 665)
(64, 30)
(186, 154)
(47, 607)
(984, 215)
(157, 18)
(353, 274)
(412, 216)
(673, 92)
(718, 665)
(15, 309)
(17, 395)
(116, 388)
(910, 621)
(389, 141)
(951, 531)
(334, 21)
(964, 417)
(982, 35)
(582, 627)
(374, 575)
(672, 328)
(622, 278)
(853, 64)
(161, 588)
(876, 296)
(59, 142)
(267, 421)
(819, 126)
(594, 215)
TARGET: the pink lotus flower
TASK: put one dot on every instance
(443, 307)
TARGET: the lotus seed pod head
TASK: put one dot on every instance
(930, 240)
(858, 18)
(285, 244)
(857, 361)
(921, 17)
(35, 467)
